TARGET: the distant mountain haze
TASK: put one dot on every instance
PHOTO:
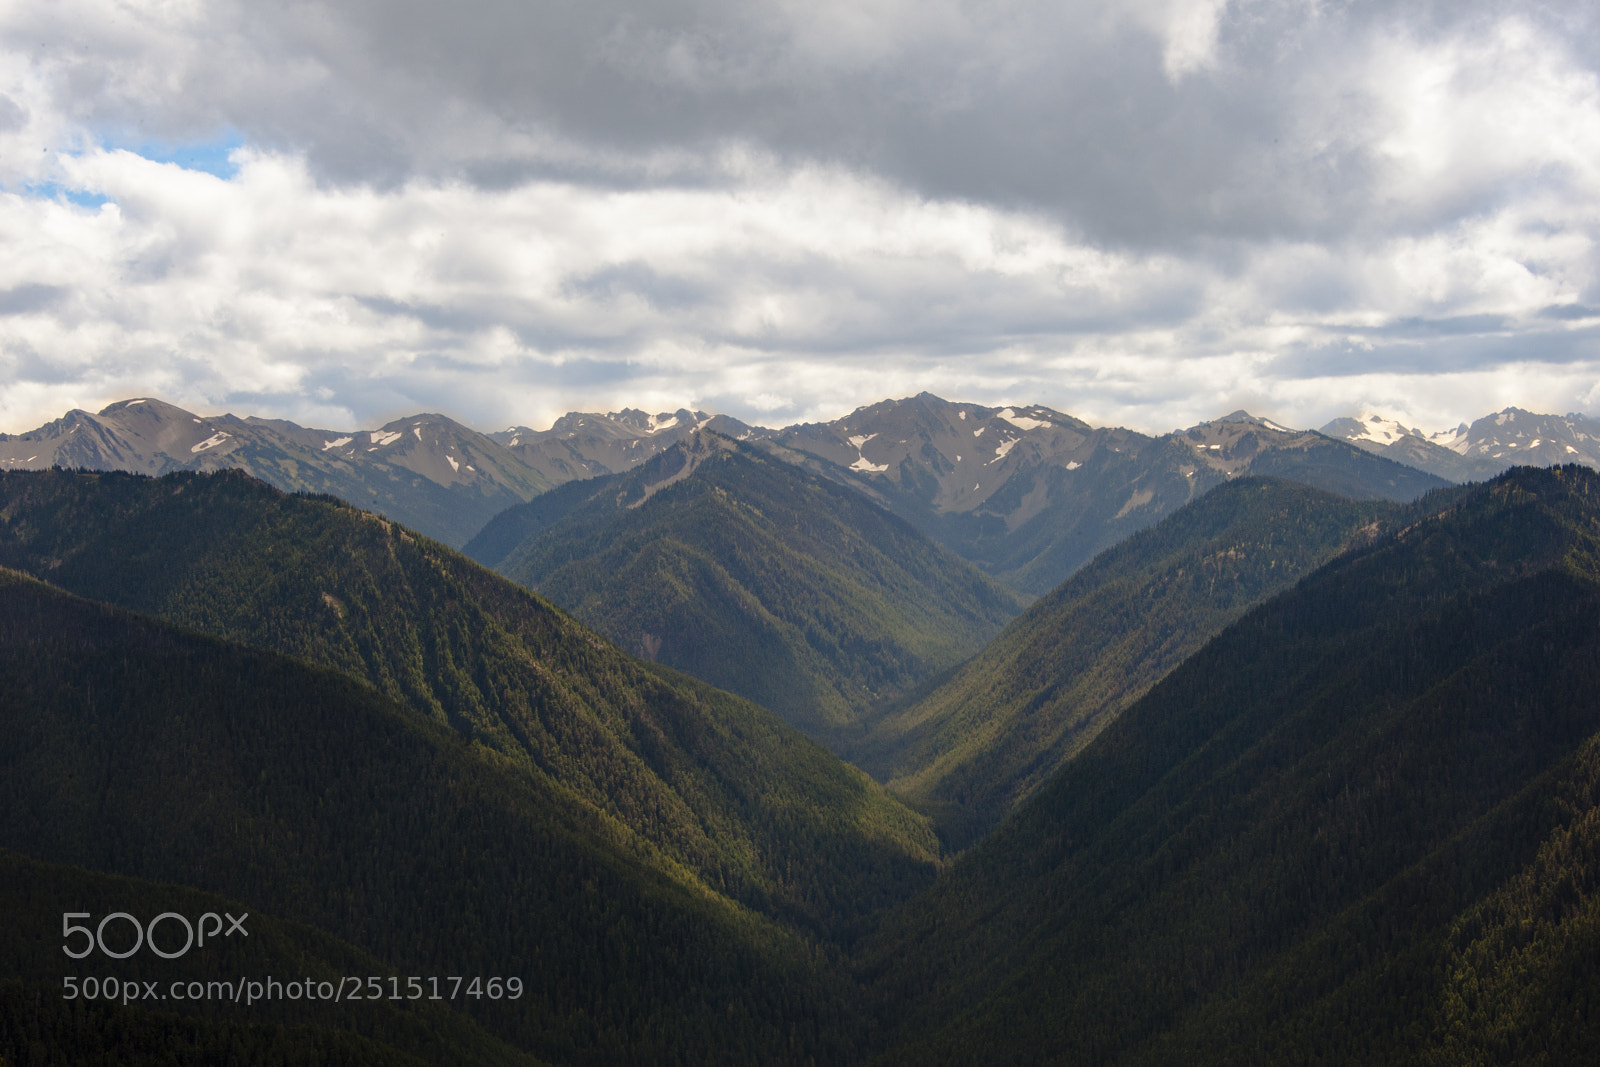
(1492, 444)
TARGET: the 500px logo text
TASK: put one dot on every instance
(125, 927)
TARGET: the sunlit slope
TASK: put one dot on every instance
(757, 576)
(1009, 718)
(136, 748)
(1342, 832)
(720, 786)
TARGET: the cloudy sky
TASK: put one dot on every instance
(1146, 212)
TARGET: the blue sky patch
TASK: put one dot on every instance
(57, 191)
(208, 156)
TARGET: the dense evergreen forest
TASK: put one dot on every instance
(1327, 837)
(755, 575)
(133, 747)
(716, 784)
(1312, 781)
(984, 739)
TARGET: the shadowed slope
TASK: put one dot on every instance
(1304, 845)
(1009, 718)
(722, 787)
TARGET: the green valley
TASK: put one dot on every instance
(1331, 835)
(748, 571)
(1008, 719)
(1285, 777)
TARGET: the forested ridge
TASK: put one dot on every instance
(720, 786)
(756, 575)
(136, 748)
(1003, 724)
(1358, 824)
(1314, 841)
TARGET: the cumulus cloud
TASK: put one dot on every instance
(1142, 212)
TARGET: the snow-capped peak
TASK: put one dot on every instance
(1383, 431)
(1455, 440)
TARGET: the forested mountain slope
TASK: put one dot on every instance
(755, 575)
(753, 809)
(1359, 826)
(1008, 719)
(130, 746)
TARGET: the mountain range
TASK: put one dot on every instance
(1026, 493)
(1494, 443)
(1300, 764)
(1358, 822)
(1047, 491)
(426, 471)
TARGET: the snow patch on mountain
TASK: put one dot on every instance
(862, 463)
(1379, 430)
(211, 442)
(1024, 422)
(1457, 440)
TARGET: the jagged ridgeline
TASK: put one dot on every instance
(707, 795)
(1362, 825)
(1030, 494)
(425, 471)
(755, 575)
(1008, 719)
